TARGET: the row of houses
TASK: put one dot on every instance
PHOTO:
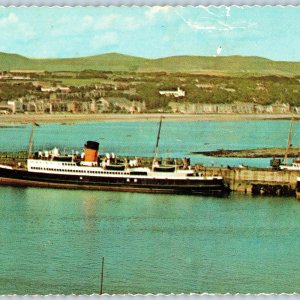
(109, 104)
(238, 107)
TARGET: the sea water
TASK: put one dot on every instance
(53, 240)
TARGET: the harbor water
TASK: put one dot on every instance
(53, 240)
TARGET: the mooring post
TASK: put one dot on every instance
(102, 269)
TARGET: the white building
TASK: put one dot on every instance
(178, 93)
(55, 89)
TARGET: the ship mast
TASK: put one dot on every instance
(157, 139)
(30, 147)
(31, 141)
(289, 142)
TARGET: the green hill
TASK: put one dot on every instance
(226, 65)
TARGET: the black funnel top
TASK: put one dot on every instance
(92, 145)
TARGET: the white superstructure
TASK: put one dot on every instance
(71, 168)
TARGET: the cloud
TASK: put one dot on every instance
(214, 23)
(118, 22)
(130, 23)
(9, 20)
(154, 10)
(106, 22)
(87, 21)
(206, 9)
(15, 29)
(199, 26)
(105, 39)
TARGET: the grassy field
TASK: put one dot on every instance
(231, 65)
(81, 81)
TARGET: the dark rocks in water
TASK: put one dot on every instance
(272, 190)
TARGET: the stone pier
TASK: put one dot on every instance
(245, 179)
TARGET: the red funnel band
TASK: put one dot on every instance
(90, 155)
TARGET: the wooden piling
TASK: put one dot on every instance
(101, 279)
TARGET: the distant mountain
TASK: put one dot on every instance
(222, 65)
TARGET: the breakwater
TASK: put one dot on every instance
(258, 181)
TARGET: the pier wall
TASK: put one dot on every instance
(243, 179)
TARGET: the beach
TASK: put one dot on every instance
(76, 118)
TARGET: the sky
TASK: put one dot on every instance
(152, 32)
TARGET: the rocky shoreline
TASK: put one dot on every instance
(251, 153)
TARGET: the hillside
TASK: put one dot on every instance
(222, 65)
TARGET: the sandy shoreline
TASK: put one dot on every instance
(76, 118)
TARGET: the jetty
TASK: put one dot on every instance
(256, 181)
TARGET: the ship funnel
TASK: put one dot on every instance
(91, 151)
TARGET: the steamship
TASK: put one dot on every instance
(88, 170)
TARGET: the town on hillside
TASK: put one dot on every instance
(92, 91)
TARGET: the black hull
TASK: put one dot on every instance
(19, 177)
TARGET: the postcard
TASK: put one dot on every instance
(149, 150)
